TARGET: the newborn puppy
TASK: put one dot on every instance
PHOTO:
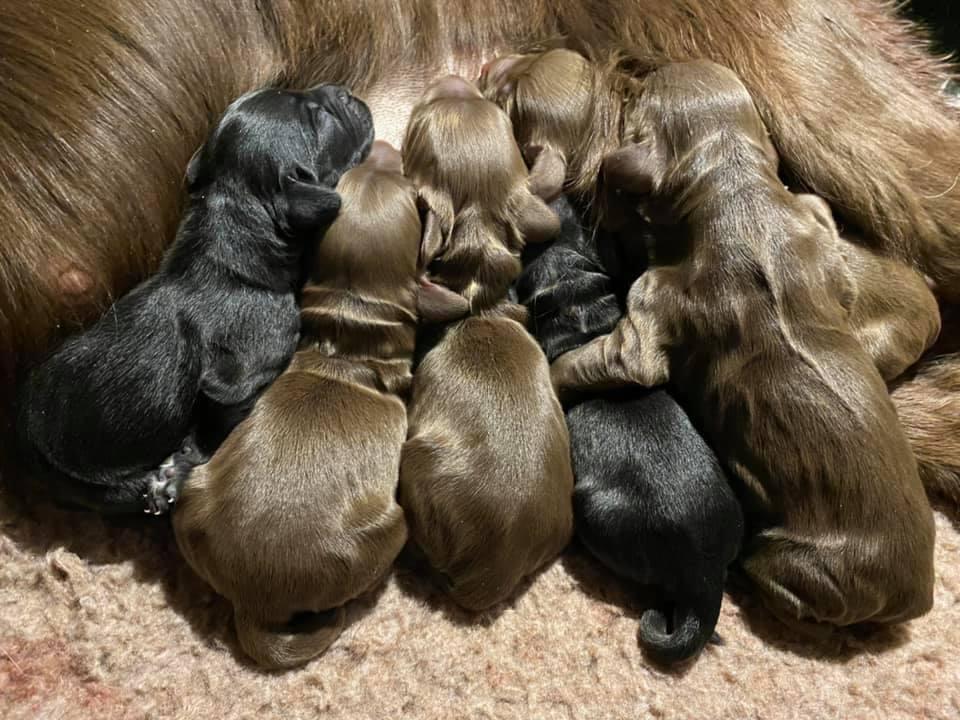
(746, 310)
(476, 193)
(650, 499)
(485, 478)
(296, 514)
(187, 351)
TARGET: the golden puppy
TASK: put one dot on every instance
(486, 480)
(480, 209)
(296, 513)
(745, 309)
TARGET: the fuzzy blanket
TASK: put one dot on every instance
(104, 620)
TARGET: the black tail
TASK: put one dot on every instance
(693, 625)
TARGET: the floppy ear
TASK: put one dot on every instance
(537, 221)
(820, 209)
(436, 303)
(632, 168)
(193, 169)
(304, 203)
(431, 244)
(548, 171)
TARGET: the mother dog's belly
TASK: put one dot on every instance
(391, 98)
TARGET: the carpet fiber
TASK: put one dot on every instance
(103, 620)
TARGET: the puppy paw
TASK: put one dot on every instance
(162, 489)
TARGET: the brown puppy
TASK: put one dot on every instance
(486, 480)
(460, 153)
(296, 514)
(745, 310)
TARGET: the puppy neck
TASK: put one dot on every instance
(237, 237)
(340, 322)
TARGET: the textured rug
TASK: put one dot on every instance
(104, 620)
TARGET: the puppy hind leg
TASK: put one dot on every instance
(797, 587)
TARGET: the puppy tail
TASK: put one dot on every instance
(290, 644)
(693, 625)
(928, 405)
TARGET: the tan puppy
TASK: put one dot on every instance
(296, 514)
(745, 310)
(460, 153)
(486, 479)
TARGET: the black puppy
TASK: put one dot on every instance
(164, 375)
(650, 499)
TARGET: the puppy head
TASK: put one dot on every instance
(373, 245)
(685, 102)
(476, 198)
(562, 107)
(288, 150)
(688, 106)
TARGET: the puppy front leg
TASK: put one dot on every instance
(632, 354)
(166, 484)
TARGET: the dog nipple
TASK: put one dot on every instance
(74, 281)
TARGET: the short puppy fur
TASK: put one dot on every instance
(477, 196)
(650, 499)
(746, 310)
(187, 351)
(296, 514)
(485, 479)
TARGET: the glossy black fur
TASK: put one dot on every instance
(164, 375)
(651, 501)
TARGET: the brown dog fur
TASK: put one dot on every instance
(460, 153)
(103, 102)
(296, 512)
(746, 311)
(486, 480)
(894, 316)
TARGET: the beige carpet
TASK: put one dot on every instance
(101, 621)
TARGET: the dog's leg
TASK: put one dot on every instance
(165, 484)
(632, 354)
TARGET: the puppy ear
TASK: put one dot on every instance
(437, 304)
(820, 210)
(192, 176)
(632, 168)
(432, 242)
(537, 222)
(304, 203)
(548, 171)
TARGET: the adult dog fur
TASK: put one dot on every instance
(485, 479)
(745, 310)
(103, 102)
(480, 209)
(296, 514)
(650, 499)
(187, 351)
